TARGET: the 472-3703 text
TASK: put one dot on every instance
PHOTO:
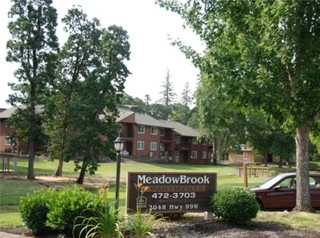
(184, 195)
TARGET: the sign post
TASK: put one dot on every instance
(245, 169)
(170, 192)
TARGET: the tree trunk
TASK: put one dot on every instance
(31, 160)
(265, 158)
(303, 201)
(58, 172)
(32, 126)
(220, 156)
(82, 171)
(214, 152)
(280, 162)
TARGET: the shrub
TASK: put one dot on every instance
(235, 205)
(70, 203)
(34, 209)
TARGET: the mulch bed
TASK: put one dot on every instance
(196, 227)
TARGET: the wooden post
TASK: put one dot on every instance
(245, 169)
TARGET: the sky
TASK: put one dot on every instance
(152, 55)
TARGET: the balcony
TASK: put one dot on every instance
(127, 134)
(183, 146)
(166, 139)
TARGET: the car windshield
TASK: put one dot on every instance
(288, 180)
(271, 182)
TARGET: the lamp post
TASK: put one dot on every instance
(118, 146)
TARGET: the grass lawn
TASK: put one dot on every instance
(12, 189)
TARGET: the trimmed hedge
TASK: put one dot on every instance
(34, 210)
(69, 203)
(235, 205)
(51, 211)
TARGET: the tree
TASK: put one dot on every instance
(58, 124)
(265, 55)
(221, 121)
(147, 99)
(260, 133)
(33, 46)
(186, 99)
(158, 111)
(91, 84)
(283, 145)
(167, 95)
(180, 113)
(194, 118)
(315, 141)
(133, 104)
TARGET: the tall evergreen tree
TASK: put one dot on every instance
(167, 95)
(180, 111)
(186, 98)
(147, 99)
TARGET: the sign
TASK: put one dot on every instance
(170, 192)
(245, 156)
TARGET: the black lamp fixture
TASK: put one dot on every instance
(118, 146)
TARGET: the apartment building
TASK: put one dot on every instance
(8, 142)
(6, 131)
(143, 135)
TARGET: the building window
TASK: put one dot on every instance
(141, 129)
(194, 155)
(204, 154)
(153, 146)
(194, 141)
(140, 145)
(204, 142)
(8, 140)
(176, 154)
(178, 139)
(154, 131)
(162, 132)
(161, 146)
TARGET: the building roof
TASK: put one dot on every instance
(8, 112)
(144, 119)
(181, 129)
(140, 118)
(123, 113)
